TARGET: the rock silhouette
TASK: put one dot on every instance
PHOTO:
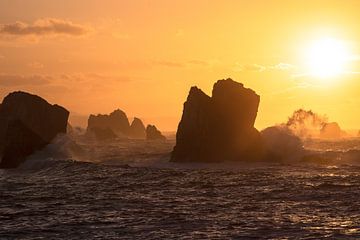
(152, 133)
(103, 133)
(116, 121)
(137, 129)
(27, 124)
(281, 144)
(116, 124)
(221, 127)
(331, 130)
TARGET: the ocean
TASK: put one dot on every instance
(128, 189)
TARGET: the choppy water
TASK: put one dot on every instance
(128, 190)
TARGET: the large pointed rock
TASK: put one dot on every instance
(116, 121)
(27, 124)
(137, 129)
(221, 127)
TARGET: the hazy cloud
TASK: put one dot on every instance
(168, 63)
(44, 27)
(261, 68)
(282, 66)
(8, 80)
(306, 75)
(80, 79)
(193, 62)
(36, 65)
(199, 62)
(254, 68)
(101, 77)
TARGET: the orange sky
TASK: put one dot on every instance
(93, 56)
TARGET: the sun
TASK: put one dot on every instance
(327, 58)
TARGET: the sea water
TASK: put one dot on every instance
(127, 189)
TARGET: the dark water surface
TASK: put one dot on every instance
(118, 198)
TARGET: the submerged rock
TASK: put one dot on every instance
(221, 127)
(27, 124)
(137, 129)
(152, 133)
(116, 121)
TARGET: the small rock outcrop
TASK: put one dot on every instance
(281, 144)
(27, 124)
(152, 133)
(116, 125)
(221, 127)
(331, 130)
(137, 129)
(116, 121)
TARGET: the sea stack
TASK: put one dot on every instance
(27, 124)
(221, 127)
(152, 133)
(137, 129)
(116, 122)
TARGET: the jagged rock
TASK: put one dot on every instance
(221, 127)
(137, 129)
(331, 130)
(27, 123)
(116, 121)
(152, 133)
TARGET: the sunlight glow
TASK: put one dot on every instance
(327, 58)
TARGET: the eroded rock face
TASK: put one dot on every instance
(137, 129)
(27, 123)
(152, 133)
(221, 127)
(116, 121)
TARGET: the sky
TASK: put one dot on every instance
(142, 56)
